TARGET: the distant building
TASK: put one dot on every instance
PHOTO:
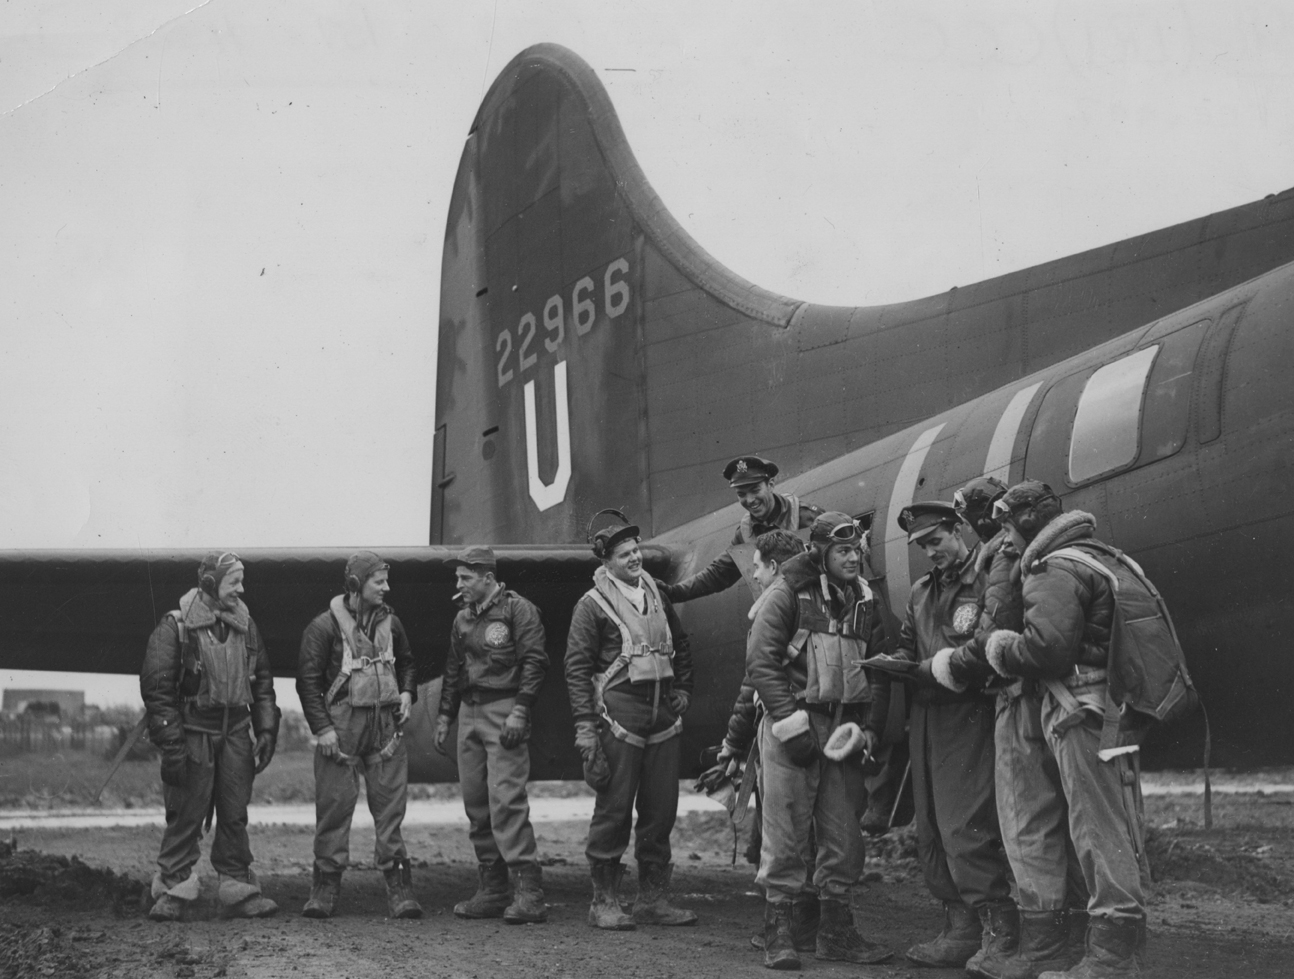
(70, 702)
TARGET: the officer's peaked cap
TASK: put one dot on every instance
(920, 520)
(748, 470)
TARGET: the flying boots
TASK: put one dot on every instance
(167, 908)
(1111, 951)
(952, 947)
(323, 895)
(243, 898)
(400, 901)
(839, 941)
(1000, 927)
(605, 911)
(492, 896)
(1044, 945)
(527, 905)
(652, 906)
(779, 948)
(169, 902)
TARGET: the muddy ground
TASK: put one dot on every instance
(1223, 906)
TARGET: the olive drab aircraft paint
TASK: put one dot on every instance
(591, 354)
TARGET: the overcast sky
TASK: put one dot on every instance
(221, 222)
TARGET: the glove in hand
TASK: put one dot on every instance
(516, 729)
(802, 749)
(175, 764)
(442, 732)
(264, 750)
(679, 701)
(597, 770)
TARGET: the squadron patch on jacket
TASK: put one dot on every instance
(496, 634)
(965, 617)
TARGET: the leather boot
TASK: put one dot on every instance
(323, 895)
(806, 917)
(652, 906)
(167, 908)
(999, 938)
(779, 949)
(400, 901)
(1044, 945)
(605, 911)
(1111, 951)
(527, 905)
(952, 947)
(492, 897)
(839, 941)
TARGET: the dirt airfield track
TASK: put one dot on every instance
(1223, 906)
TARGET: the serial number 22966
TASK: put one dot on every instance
(615, 299)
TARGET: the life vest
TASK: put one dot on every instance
(787, 519)
(646, 651)
(834, 649)
(368, 664)
(222, 669)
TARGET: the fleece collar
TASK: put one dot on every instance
(988, 550)
(1066, 528)
(197, 614)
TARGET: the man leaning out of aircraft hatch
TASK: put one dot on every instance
(822, 719)
(207, 688)
(355, 677)
(951, 742)
(493, 673)
(752, 478)
(629, 678)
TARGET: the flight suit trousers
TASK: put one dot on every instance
(647, 776)
(1031, 807)
(800, 804)
(1106, 820)
(959, 844)
(221, 766)
(493, 780)
(386, 781)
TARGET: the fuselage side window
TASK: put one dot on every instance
(1107, 425)
(1168, 396)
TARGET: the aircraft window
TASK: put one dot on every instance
(1047, 459)
(1107, 425)
(1168, 395)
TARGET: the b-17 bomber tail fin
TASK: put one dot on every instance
(593, 354)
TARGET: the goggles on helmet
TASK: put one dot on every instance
(846, 533)
(1003, 513)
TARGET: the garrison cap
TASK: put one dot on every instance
(976, 498)
(920, 520)
(361, 566)
(748, 470)
(476, 556)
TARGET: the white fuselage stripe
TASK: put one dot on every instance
(896, 541)
(998, 461)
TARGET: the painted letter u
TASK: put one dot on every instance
(546, 496)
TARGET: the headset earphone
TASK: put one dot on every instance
(599, 543)
(207, 581)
